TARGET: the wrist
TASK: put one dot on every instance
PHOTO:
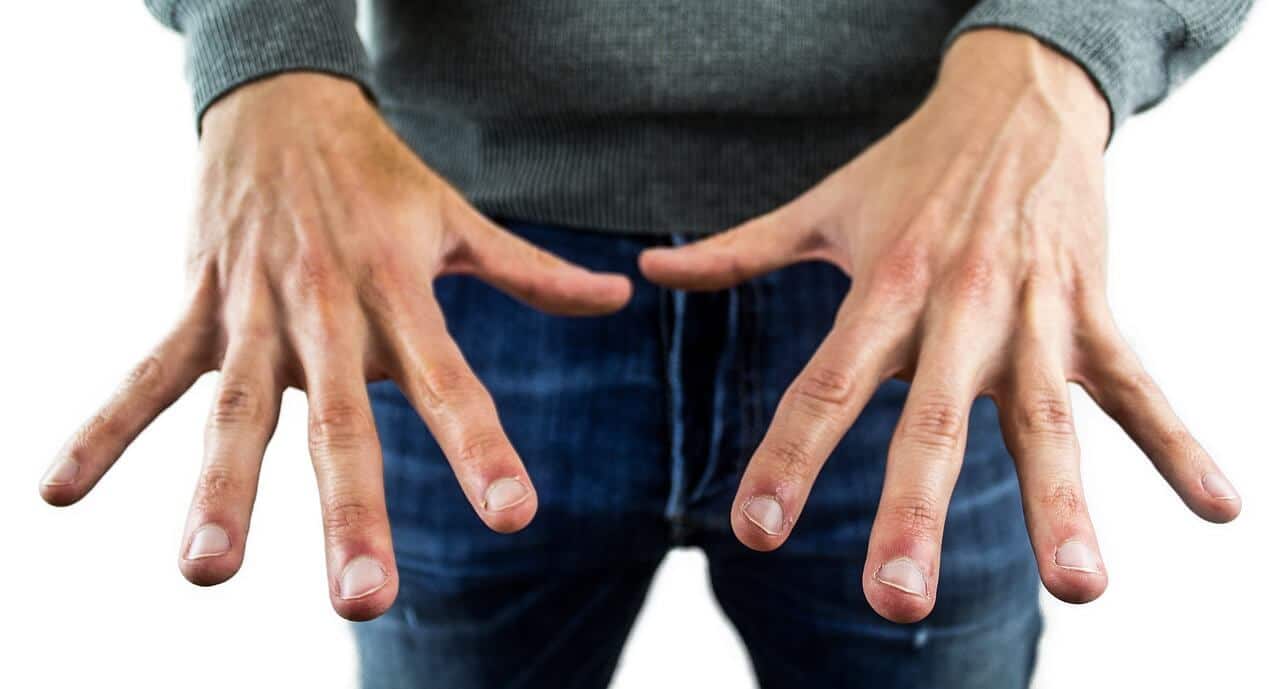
(290, 99)
(1001, 69)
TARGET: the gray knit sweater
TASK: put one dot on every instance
(666, 115)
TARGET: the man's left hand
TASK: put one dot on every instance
(975, 237)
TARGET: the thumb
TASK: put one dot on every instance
(535, 276)
(768, 242)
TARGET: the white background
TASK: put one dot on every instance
(96, 155)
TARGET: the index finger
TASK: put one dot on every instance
(347, 458)
(813, 415)
(458, 410)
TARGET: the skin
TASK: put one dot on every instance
(975, 236)
(316, 238)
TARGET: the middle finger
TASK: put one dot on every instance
(901, 572)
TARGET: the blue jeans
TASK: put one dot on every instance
(635, 428)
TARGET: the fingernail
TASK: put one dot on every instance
(209, 540)
(62, 473)
(904, 575)
(1217, 486)
(765, 512)
(362, 576)
(1076, 556)
(504, 494)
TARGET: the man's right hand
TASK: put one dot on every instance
(317, 236)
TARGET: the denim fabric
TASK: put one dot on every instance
(635, 428)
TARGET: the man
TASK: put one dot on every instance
(946, 156)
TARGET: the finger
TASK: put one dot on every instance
(901, 573)
(814, 414)
(762, 245)
(1037, 423)
(154, 384)
(244, 414)
(1120, 385)
(535, 276)
(348, 464)
(459, 413)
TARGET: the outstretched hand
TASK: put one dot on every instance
(975, 237)
(317, 236)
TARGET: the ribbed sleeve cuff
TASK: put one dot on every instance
(232, 42)
(1122, 44)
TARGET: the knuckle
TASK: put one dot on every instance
(734, 265)
(238, 402)
(443, 384)
(972, 282)
(380, 292)
(1177, 442)
(1044, 284)
(217, 486)
(1047, 415)
(332, 319)
(916, 515)
(936, 424)
(144, 379)
(789, 460)
(339, 424)
(255, 333)
(486, 446)
(826, 391)
(384, 258)
(103, 425)
(903, 273)
(347, 517)
(1062, 499)
(315, 276)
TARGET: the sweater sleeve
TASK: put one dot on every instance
(232, 42)
(1136, 51)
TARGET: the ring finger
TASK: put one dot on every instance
(240, 423)
(1036, 419)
